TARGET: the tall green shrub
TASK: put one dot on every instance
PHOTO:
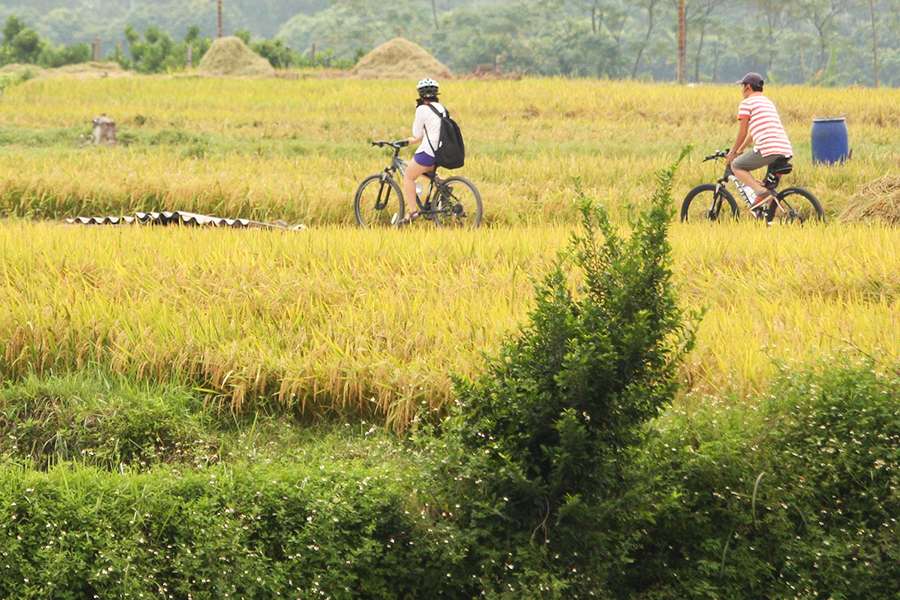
(538, 446)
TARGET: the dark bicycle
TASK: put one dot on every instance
(793, 205)
(451, 202)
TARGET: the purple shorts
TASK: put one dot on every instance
(424, 159)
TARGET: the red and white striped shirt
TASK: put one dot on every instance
(769, 137)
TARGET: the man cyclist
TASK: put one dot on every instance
(758, 121)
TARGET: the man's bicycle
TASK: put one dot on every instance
(451, 202)
(713, 202)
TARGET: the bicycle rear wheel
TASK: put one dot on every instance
(377, 199)
(798, 206)
(702, 204)
(457, 203)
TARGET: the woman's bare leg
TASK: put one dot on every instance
(413, 171)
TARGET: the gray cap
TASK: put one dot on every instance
(754, 79)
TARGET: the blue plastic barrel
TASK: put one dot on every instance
(830, 141)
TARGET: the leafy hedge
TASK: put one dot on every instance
(798, 497)
(298, 531)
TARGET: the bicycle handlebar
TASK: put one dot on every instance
(395, 145)
(719, 154)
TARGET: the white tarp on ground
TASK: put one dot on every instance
(181, 218)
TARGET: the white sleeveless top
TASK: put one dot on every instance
(426, 122)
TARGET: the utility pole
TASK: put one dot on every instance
(221, 29)
(682, 41)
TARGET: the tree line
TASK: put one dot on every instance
(824, 42)
(150, 51)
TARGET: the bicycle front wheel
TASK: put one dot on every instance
(458, 204)
(796, 206)
(703, 204)
(377, 200)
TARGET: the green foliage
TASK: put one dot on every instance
(791, 41)
(528, 37)
(243, 35)
(538, 447)
(279, 55)
(157, 52)
(337, 529)
(24, 45)
(8, 80)
(795, 499)
(795, 496)
(58, 56)
(100, 422)
(11, 28)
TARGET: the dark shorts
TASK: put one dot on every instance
(424, 159)
(752, 160)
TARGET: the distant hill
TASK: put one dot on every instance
(68, 21)
(826, 42)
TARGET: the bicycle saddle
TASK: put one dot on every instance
(781, 166)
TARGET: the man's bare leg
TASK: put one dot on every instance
(747, 178)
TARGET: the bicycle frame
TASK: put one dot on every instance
(398, 165)
(770, 182)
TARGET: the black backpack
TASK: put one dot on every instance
(450, 152)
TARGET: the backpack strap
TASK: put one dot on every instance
(446, 114)
(438, 113)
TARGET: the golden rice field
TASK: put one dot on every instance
(341, 321)
(337, 321)
(295, 150)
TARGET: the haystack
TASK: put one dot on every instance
(230, 57)
(399, 59)
(878, 201)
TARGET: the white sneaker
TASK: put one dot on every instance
(762, 199)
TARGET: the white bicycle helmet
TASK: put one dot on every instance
(428, 88)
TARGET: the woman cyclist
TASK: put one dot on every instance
(426, 132)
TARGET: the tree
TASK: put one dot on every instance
(821, 14)
(155, 53)
(53, 57)
(434, 14)
(26, 46)
(650, 6)
(701, 19)
(772, 19)
(682, 41)
(278, 55)
(11, 29)
(874, 42)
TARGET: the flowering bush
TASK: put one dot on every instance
(795, 497)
